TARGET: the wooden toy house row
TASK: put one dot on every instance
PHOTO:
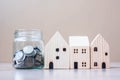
(79, 54)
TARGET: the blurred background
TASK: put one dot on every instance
(70, 17)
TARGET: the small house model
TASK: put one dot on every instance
(79, 52)
(100, 56)
(57, 53)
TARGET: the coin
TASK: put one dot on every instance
(38, 57)
(29, 62)
(28, 57)
(37, 49)
(28, 50)
(19, 55)
(38, 60)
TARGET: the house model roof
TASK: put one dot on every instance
(78, 41)
(99, 39)
(57, 40)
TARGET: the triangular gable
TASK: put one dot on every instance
(99, 39)
(57, 39)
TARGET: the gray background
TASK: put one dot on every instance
(70, 17)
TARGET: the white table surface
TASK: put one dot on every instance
(7, 72)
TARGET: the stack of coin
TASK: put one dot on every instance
(28, 57)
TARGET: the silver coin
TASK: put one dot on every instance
(19, 55)
(19, 62)
(28, 50)
(37, 49)
(29, 62)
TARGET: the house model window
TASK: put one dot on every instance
(75, 50)
(64, 49)
(57, 57)
(57, 49)
(83, 64)
(106, 54)
(83, 50)
(95, 49)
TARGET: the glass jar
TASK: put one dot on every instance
(28, 49)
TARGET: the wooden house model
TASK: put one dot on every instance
(79, 52)
(100, 55)
(57, 53)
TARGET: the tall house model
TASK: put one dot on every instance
(100, 55)
(79, 52)
(57, 53)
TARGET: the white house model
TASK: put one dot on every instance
(57, 53)
(100, 57)
(79, 52)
